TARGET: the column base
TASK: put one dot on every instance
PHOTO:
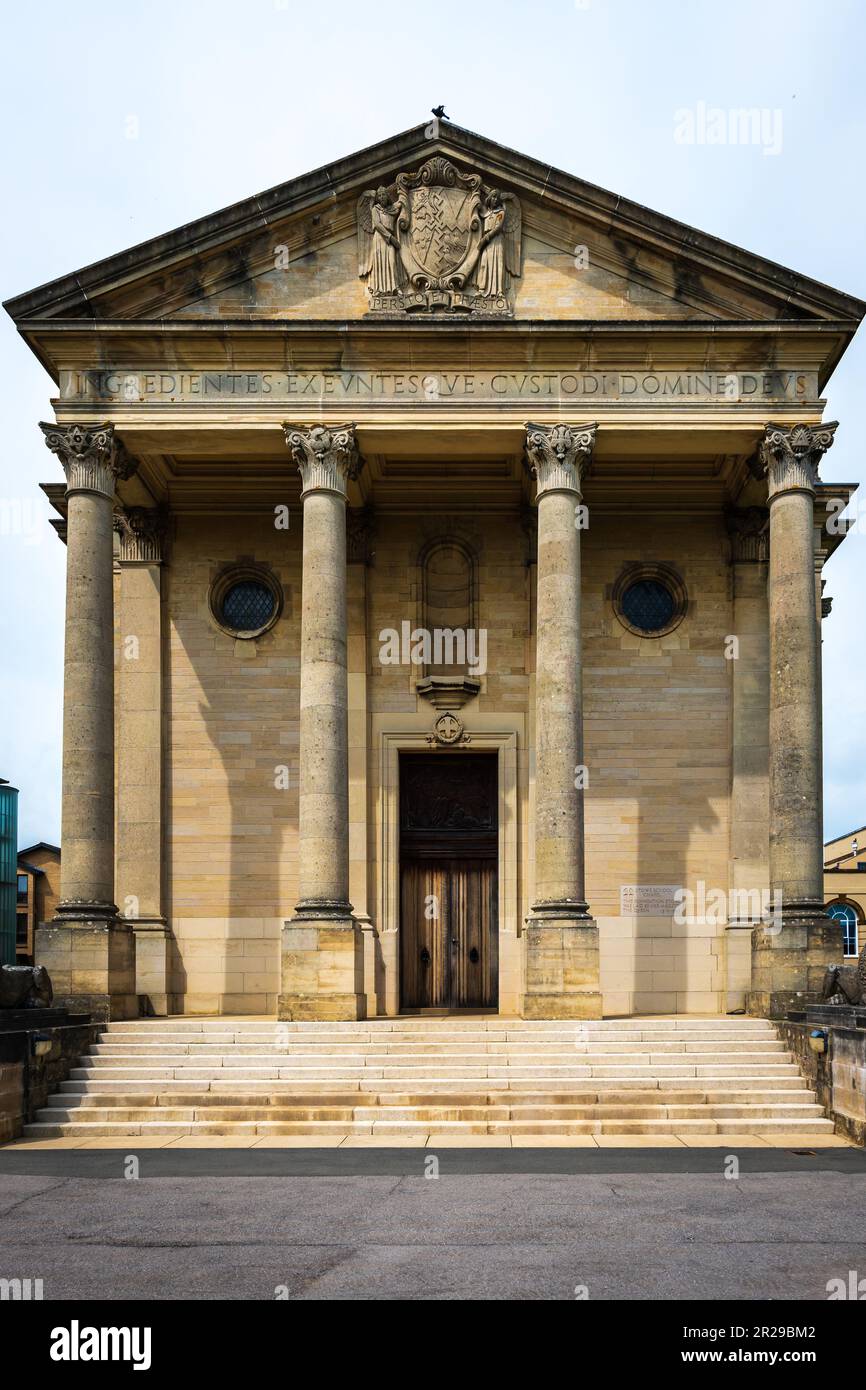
(322, 968)
(91, 962)
(562, 966)
(152, 965)
(789, 959)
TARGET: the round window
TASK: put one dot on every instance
(248, 606)
(649, 599)
(648, 605)
(245, 602)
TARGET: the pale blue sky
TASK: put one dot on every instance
(228, 98)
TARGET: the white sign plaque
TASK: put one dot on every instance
(648, 899)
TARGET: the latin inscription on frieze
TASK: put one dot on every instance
(397, 387)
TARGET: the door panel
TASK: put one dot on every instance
(425, 937)
(475, 940)
(449, 948)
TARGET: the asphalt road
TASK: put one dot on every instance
(464, 1235)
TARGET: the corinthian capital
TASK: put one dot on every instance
(92, 456)
(558, 456)
(789, 456)
(749, 532)
(142, 532)
(326, 458)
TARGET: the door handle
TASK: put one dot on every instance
(455, 941)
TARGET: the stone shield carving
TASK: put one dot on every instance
(439, 239)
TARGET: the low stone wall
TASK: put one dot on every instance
(26, 1081)
(839, 1074)
(11, 1098)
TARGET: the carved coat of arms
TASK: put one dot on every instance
(438, 240)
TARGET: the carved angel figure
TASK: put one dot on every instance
(499, 248)
(378, 248)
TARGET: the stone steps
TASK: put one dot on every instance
(482, 1075)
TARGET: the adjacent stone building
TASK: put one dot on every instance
(844, 892)
(445, 539)
(38, 894)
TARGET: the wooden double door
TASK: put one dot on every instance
(449, 894)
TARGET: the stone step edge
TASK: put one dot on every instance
(194, 1112)
(490, 1096)
(246, 1128)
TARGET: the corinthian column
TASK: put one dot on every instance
(790, 954)
(562, 965)
(87, 951)
(322, 949)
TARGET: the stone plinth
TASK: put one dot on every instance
(322, 970)
(788, 965)
(92, 967)
(562, 969)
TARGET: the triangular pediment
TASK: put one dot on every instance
(293, 253)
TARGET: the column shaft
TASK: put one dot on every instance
(559, 860)
(323, 786)
(87, 833)
(562, 957)
(796, 859)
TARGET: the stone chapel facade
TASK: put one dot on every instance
(445, 541)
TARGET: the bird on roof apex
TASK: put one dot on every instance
(439, 113)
